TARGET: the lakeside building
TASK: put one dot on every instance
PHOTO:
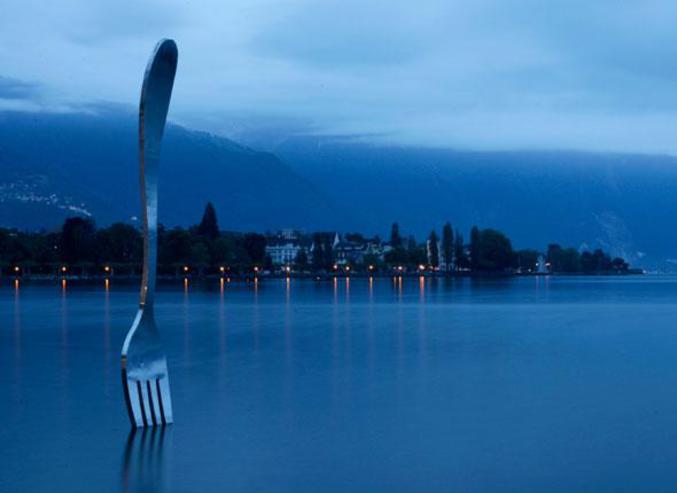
(285, 246)
(441, 262)
(355, 249)
(322, 241)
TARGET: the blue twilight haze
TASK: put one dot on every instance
(485, 74)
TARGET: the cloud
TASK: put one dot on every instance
(345, 33)
(481, 74)
(17, 89)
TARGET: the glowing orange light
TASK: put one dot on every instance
(400, 268)
(335, 266)
(256, 269)
(222, 269)
(16, 268)
(421, 267)
(63, 268)
(347, 267)
(371, 267)
(185, 268)
(106, 268)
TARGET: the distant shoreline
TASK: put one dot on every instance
(40, 278)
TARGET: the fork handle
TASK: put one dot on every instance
(156, 93)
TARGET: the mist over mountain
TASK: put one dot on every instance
(623, 203)
(56, 165)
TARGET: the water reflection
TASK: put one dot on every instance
(186, 320)
(106, 336)
(16, 381)
(144, 464)
(64, 325)
(17, 320)
(222, 321)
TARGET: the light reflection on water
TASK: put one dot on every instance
(145, 462)
(360, 384)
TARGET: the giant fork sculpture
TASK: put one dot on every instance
(144, 365)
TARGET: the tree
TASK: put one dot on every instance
(619, 265)
(494, 252)
(199, 256)
(255, 245)
(416, 254)
(527, 260)
(323, 251)
(475, 248)
(318, 252)
(222, 250)
(447, 246)
(433, 250)
(78, 240)
(209, 226)
(301, 260)
(460, 258)
(567, 260)
(395, 238)
(175, 247)
(602, 261)
(119, 243)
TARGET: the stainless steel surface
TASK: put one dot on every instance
(144, 366)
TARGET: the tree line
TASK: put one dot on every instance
(80, 248)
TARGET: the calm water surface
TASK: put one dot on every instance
(566, 384)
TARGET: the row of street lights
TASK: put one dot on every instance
(108, 270)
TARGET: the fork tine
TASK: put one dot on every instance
(165, 399)
(153, 411)
(145, 405)
(157, 396)
(134, 406)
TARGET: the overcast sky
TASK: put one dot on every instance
(480, 74)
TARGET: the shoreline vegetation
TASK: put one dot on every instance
(78, 250)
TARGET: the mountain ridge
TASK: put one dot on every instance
(56, 165)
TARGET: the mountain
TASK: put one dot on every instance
(623, 203)
(56, 165)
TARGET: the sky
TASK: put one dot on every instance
(480, 74)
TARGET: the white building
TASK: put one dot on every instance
(284, 247)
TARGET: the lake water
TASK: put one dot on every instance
(529, 384)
